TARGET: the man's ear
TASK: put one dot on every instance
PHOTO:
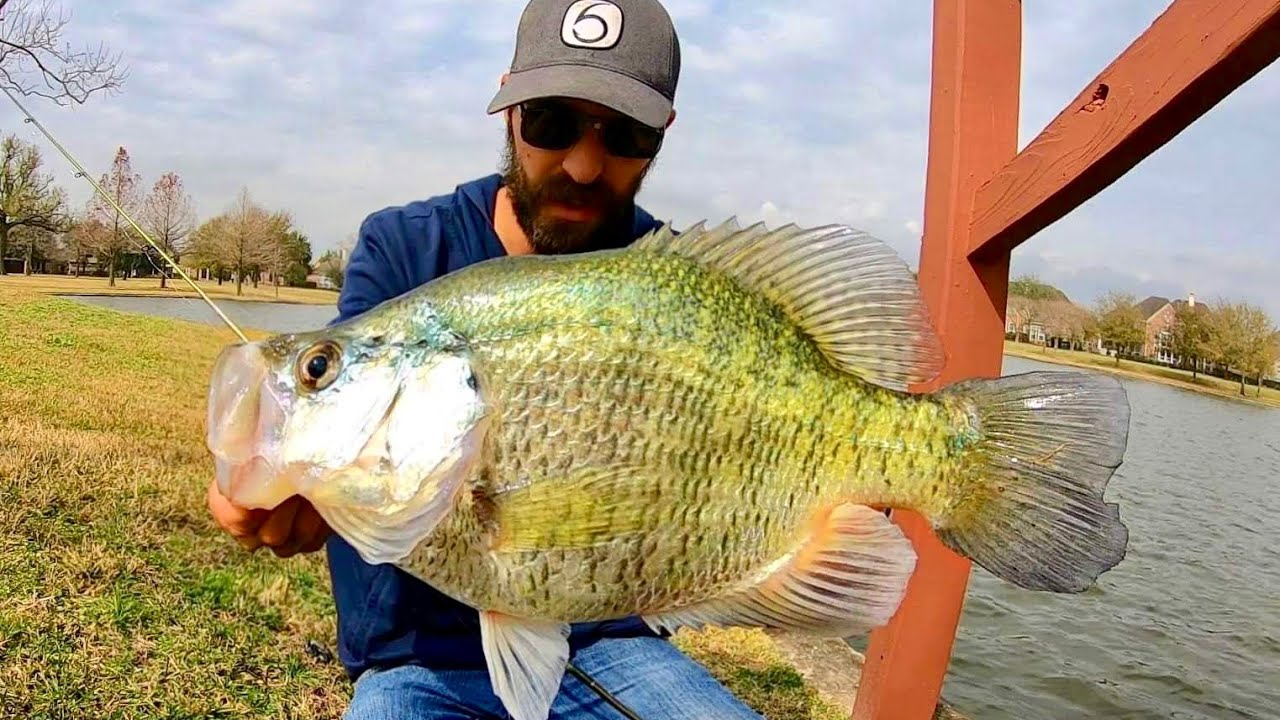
(503, 80)
(672, 118)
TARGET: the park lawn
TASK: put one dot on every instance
(1173, 377)
(177, 288)
(119, 598)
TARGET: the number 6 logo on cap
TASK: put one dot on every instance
(595, 24)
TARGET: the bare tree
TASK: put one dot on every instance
(169, 217)
(87, 234)
(35, 60)
(28, 197)
(244, 240)
(122, 185)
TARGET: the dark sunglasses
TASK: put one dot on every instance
(554, 125)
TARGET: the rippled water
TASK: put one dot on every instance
(269, 316)
(1188, 625)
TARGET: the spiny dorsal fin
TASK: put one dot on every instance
(848, 291)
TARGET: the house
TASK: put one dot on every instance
(1159, 314)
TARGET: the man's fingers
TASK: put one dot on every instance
(309, 533)
(277, 529)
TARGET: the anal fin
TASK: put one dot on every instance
(848, 577)
(526, 660)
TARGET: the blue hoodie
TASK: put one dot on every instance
(386, 617)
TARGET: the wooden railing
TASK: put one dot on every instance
(983, 198)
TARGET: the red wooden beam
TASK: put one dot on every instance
(1194, 55)
(973, 131)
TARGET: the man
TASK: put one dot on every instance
(587, 102)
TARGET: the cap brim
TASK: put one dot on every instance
(583, 82)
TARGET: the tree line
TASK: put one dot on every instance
(1225, 338)
(245, 242)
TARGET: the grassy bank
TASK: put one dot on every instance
(1172, 377)
(177, 288)
(118, 596)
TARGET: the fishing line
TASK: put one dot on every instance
(603, 693)
(81, 172)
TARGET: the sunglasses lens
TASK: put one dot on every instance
(551, 127)
(630, 139)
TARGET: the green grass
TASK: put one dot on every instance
(119, 597)
(1174, 377)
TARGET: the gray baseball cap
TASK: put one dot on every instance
(623, 54)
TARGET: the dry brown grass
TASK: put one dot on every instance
(150, 287)
(119, 598)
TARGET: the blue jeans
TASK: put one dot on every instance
(649, 675)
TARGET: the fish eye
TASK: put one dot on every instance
(318, 365)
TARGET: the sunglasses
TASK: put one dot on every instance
(554, 125)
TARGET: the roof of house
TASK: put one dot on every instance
(1152, 305)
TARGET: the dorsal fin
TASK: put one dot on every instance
(847, 290)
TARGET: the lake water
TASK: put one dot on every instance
(269, 316)
(1188, 626)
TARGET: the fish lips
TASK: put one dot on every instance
(244, 424)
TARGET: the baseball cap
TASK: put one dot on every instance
(623, 54)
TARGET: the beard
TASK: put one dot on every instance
(552, 236)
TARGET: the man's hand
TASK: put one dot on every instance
(290, 528)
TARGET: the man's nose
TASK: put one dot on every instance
(585, 160)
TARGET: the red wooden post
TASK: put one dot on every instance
(1194, 55)
(983, 198)
(973, 132)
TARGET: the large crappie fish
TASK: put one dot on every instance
(694, 429)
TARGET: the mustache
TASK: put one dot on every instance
(563, 189)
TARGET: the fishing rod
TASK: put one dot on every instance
(81, 172)
(577, 672)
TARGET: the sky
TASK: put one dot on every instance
(813, 115)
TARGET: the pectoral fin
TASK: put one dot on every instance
(526, 660)
(848, 577)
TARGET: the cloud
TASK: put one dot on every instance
(815, 114)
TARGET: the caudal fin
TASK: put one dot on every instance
(1048, 445)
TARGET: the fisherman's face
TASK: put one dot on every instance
(570, 189)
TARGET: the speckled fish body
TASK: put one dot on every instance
(698, 429)
(658, 434)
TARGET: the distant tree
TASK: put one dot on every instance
(36, 60)
(1063, 320)
(123, 186)
(28, 197)
(297, 253)
(1190, 336)
(1242, 338)
(1032, 287)
(168, 217)
(1119, 322)
(244, 240)
(331, 265)
(88, 233)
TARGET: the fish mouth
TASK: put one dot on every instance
(245, 418)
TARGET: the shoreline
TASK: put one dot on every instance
(1204, 385)
(178, 289)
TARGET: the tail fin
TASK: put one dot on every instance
(1049, 443)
